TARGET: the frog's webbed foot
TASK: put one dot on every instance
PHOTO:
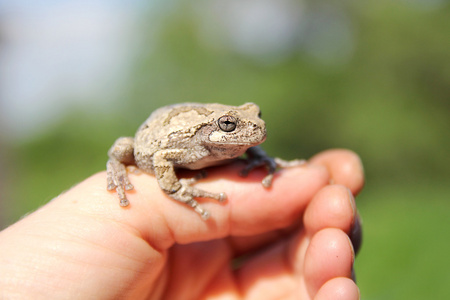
(258, 157)
(186, 194)
(181, 189)
(117, 178)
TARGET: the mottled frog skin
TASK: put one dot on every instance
(191, 136)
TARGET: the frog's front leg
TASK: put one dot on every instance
(120, 155)
(180, 189)
(257, 157)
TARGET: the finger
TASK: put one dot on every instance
(345, 168)
(329, 255)
(162, 221)
(328, 218)
(297, 266)
(194, 268)
(245, 245)
(333, 207)
(268, 275)
(340, 288)
(250, 209)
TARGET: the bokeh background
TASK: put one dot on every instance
(372, 76)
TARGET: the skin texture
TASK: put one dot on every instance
(288, 242)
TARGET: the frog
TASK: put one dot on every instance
(190, 136)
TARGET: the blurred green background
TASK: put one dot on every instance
(371, 76)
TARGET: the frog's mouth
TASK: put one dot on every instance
(236, 139)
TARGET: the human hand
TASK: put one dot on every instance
(288, 242)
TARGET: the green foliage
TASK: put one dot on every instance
(405, 246)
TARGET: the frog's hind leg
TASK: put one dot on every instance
(221, 197)
(121, 153)
(117, 179)
(180, 189)
(199, 209)
(187, 193)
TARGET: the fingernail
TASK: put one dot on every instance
(356, 234)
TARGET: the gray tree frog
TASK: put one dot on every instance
(191, 136)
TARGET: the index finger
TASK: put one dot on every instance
(162, 221)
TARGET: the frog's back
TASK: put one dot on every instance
(171, 127)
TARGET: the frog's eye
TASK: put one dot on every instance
(227, 123)
(259, 114)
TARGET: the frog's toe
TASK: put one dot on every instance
(198, 209)
(205, 215)
(267, 181)
(124, 202)
(222, 197)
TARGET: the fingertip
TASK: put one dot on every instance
(340, 288)
(329, 255)
(345, 167)
(332, 207)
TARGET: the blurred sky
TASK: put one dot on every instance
(54, 53)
